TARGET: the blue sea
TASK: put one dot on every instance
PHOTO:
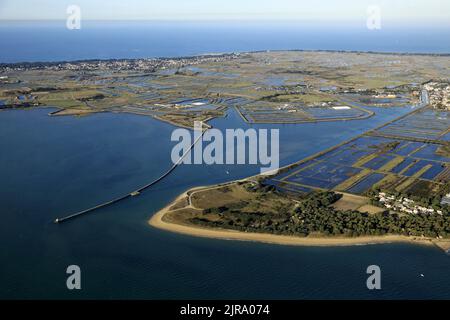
(50, 41)
(52, 166)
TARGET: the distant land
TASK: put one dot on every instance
(389, 184)
(37, 64)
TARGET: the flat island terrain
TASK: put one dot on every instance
(371, 189)
(389, 184)
(265, 87)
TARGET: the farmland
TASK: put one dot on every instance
(264, 87)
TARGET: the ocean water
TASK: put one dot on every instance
(52, 41)
(51, 166)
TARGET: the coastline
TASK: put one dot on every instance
(158, 221)
(224, 54)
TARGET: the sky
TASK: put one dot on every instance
(407, 12)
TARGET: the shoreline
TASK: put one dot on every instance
(158, 221)
(224, 54)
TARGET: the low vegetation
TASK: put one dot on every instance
(248, 207)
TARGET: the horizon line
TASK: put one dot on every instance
(233, 19)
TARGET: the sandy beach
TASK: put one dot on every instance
(159, 222)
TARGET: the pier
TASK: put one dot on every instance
(133, 193)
